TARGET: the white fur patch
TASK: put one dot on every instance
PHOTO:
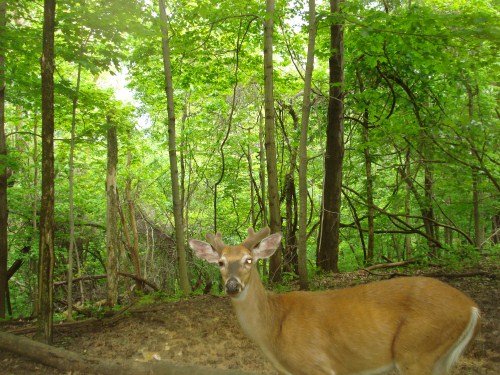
(446, 362)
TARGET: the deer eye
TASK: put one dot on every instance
(221, 263)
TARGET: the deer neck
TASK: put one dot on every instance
(253, 309)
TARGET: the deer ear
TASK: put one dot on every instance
(204, 250)
(267, 246)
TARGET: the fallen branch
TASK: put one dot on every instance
(389, 265)
(104, 322)
(435, 274)
(460, 275)
(100, 277)
(66, 360)
(56, 327)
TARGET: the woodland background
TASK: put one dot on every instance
(419, 139)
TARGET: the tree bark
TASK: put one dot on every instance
(304, 125)
(3, 173)
(71, 193)
(262, 173)
(369, 189)
(112, 242)
(46, 249)
(33, 264)
(174, 172)
(270, 143)
(329, 238)
(70, 362)
(134, 245)
(290, 256)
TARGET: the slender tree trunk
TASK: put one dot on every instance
(251, 183)
(3, 173)
(448, 233)
(290, 256)
(174, 173)
(34, 219)
(112, 243)
(71, 190)
(263, 184)
(183, 163)
(329, 238)
(46, 249)
(262, 173)
(134, 245)
(495, 229)
(306, 109)
(428, 209)
(270, 143)
(478, 227)
(365, 133)
(369, 190)
(407, 172)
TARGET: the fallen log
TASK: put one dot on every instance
(66, 360)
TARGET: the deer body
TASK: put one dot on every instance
(416, 325)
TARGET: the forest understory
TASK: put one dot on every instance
(202, 330)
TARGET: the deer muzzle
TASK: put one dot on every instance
(233, 286)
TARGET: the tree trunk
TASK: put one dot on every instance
(478, 227)
(112, 242)
(369, 190)
(134, 245)
(71, 190)
(290, 256)
(329, 238)
(46, 249)
(33, 265)
(407, 172)
(365, 134)
(3, 173)
(270, 143)
(428, 208)
(174, 173)
(448, 233)
(495, 229)
(306, 109)
(262, 172)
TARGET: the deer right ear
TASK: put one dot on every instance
(204, 250)
(267, 246)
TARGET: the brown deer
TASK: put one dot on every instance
(416, 325)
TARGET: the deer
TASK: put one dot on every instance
(412, 325)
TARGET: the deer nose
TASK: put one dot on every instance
(233, 286)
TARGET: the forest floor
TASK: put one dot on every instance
(202, 330)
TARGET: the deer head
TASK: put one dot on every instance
(237, 263)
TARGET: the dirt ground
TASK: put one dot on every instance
(202, 330)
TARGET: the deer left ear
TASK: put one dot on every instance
(267, 246)
(204, 250)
